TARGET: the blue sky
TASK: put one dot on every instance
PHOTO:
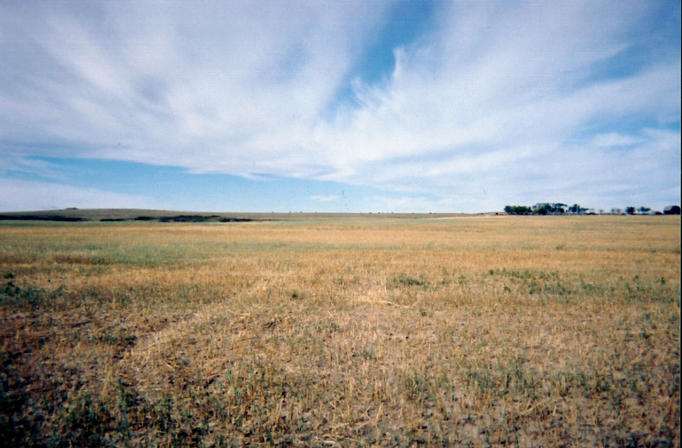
(443, 106)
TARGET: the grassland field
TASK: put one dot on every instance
(341, 332)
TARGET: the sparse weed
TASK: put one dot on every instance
(405, 280)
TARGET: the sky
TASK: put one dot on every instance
(339, 106)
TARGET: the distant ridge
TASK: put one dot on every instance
(143, 215)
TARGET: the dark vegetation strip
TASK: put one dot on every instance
(177, 218)
(42, 218)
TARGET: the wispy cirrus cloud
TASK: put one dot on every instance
(615, 139)
(491, 103)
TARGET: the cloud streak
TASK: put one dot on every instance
(494, 103)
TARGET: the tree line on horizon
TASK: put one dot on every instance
(558, 208)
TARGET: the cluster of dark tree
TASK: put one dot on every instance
(544, 208)
(557, 208)
(672, 210)
(669, 210)
(517, 210)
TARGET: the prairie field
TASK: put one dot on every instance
(358, 331)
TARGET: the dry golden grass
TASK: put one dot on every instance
(478, 331)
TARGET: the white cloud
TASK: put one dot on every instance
(482, 109)
(11, 163)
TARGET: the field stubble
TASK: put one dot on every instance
(466, 331)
